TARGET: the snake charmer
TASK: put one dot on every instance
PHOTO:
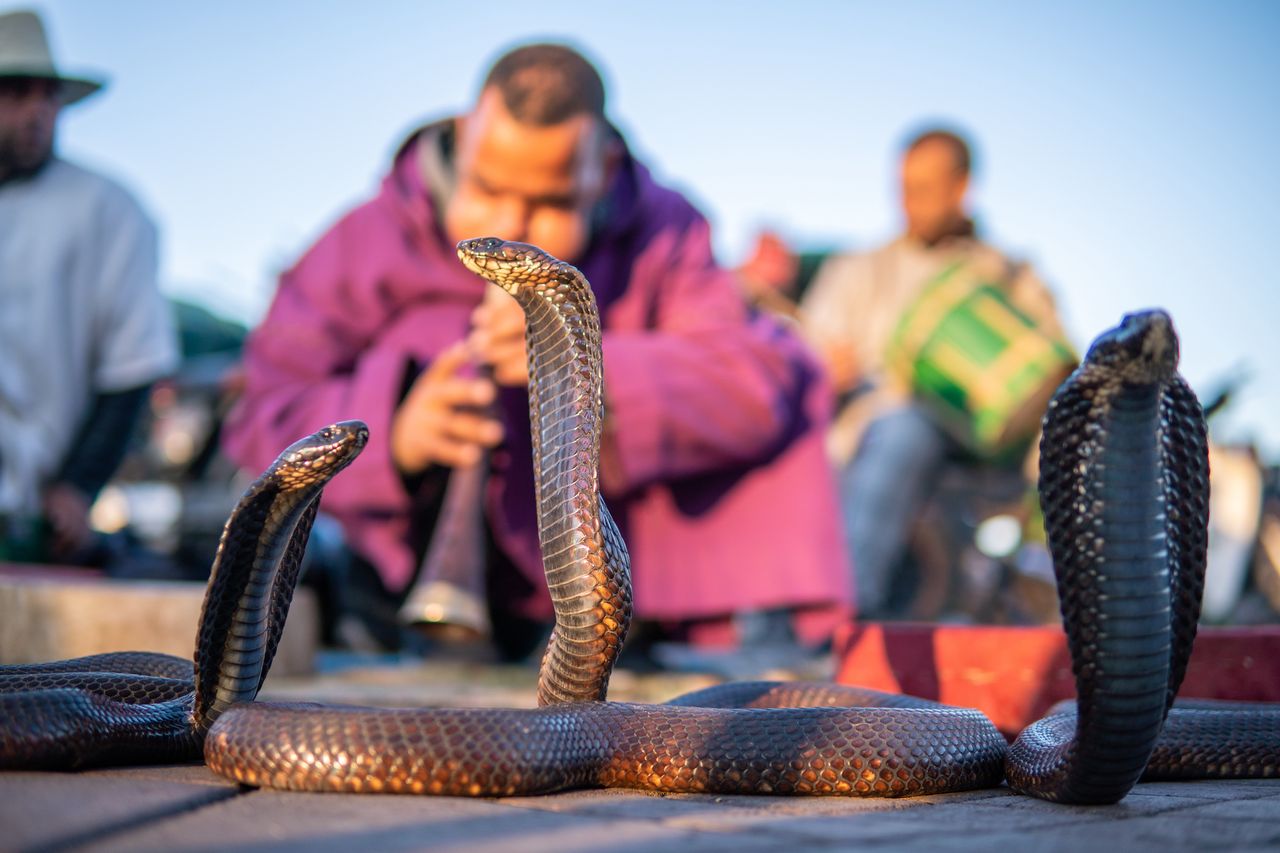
(712, 413)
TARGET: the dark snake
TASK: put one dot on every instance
(1124, 484)
(140, 707)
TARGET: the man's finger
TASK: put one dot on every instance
(462, 393)
(454, 454)
(511, 365)
(474, 429)
(484, 340)
(499, 318)
(446, 364)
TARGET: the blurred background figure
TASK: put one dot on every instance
(775, 276)
(715, 417)
(888, 444)
(84, 331)
(769, 277)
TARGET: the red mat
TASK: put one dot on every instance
(1014, 675)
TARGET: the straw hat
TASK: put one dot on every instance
(24, 52)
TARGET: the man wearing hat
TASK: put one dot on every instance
(84, 330)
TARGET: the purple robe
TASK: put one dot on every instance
(719, 481)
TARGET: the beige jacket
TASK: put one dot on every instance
(856, 301)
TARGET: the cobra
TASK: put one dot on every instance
(139, 707)
(1125, 419)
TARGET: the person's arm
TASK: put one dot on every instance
(708, 386)
(1031, 295)
(95, 454)
(132, 345)
(134, 340)
(103, 438)
(828, 314)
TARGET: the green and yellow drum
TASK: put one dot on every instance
(984, 367)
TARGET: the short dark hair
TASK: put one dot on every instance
(959, 146)
(546, 84)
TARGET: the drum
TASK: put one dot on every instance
(985, 368)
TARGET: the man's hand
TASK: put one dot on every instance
(497, 338)
(67, 510)
(771, 269)
(439, 421)
(842, 366)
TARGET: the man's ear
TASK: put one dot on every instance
(962, 192)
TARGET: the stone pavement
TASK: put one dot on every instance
(188, 808)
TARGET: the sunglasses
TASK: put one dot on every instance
(18, 88)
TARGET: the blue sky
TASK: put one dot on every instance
(1128, 150)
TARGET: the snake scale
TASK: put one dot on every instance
(1124, 484)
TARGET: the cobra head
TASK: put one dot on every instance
(316, 458)
(511, 265)
(1142, 350)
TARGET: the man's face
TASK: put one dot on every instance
(28, 113)
(521, 182)
(933, 191)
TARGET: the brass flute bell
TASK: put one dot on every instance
(449, 602)
(445, 611)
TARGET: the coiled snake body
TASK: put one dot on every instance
(136, 707)
(1124, 488)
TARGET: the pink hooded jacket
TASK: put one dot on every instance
(722, 490)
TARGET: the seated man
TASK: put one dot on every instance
(889, 448)
(712, 461)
